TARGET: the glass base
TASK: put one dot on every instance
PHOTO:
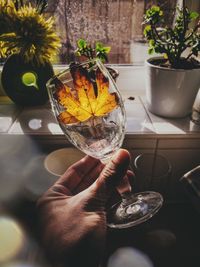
(134, 209)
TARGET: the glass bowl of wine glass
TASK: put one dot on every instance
(89, 109)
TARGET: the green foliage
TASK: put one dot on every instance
(86, 50)
(7, 9)
(173, 41)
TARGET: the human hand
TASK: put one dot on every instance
(72, 211)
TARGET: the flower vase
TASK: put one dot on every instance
(25, 82)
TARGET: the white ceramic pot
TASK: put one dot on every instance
(170, 92)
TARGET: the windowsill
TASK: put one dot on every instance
(39, 121)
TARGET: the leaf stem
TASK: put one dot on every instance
(183, 33)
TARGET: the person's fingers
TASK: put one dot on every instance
(114, 171)
(124, 185)
(90, 178)
(74, 174)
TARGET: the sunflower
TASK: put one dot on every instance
(32, 35)
(7, 10)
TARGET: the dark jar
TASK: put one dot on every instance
(25, 82)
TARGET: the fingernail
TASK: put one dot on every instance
(121, 157)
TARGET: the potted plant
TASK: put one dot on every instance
(28, 41)
(100, 51)
(172, 79)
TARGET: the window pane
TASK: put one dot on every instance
(117, 23)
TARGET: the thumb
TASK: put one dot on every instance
(113, 172)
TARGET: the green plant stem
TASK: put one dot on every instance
(173, 39)
(160, 39)
(166, 50)
(184, 19)
(182, 35)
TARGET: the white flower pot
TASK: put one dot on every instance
(170, 92)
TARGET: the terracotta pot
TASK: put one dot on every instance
(25, 82)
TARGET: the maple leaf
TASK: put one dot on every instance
(87, 99)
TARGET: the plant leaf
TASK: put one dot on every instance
(107, 49)
(105, 101)
(150, 50)
(82, 43)
(193, 15)
(85, 104)
(99, 46)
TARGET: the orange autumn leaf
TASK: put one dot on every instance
(88, 101)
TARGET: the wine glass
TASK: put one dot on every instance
(90, 111)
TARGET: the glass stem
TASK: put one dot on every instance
(124, 188)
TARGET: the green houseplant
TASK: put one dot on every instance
(173, 79)
(89, 52)
(85, 50)
(28, 41)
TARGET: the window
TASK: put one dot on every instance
(117, 23)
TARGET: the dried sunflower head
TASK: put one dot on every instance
(7, 9)
(32, 35)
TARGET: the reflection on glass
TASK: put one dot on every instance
(152, 171)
